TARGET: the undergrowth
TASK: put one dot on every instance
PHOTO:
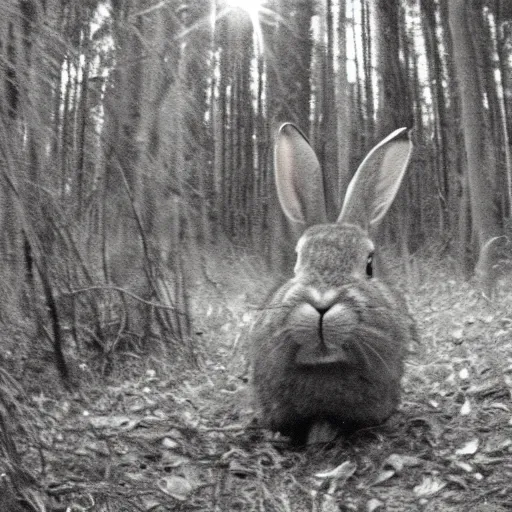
(157, 434)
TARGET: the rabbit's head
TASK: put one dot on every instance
(329, 346)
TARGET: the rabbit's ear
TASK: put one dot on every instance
(375, 184)
(299, 179)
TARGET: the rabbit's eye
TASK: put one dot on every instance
(369, 265)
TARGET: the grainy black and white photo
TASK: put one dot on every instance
(255, 255)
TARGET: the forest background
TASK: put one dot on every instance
(136, 134)
(136, 148)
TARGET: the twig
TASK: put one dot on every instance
(122, 290)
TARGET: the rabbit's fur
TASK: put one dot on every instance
(330, 344)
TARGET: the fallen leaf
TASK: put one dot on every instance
(171, 459)
(499, 405)
(124, 422)
(342, 472)
(169, 444)
(128, 459)
(470, 448)
(374, 504)
(429, 487)
(466, 408)
(458, 334)
(468, 468)
(176, 486)
(134, 477)
(384, 475)
(464, 374)
(398, 462)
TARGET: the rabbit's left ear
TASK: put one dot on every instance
(299, 179)
(375, 184)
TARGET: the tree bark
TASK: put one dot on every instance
(343, 125)
(393, 108)
(289, 54)
(436, 76)
(480, 168)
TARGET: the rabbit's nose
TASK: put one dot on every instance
(322, 301)
(321, 310)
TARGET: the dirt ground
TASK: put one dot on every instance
(160, 436)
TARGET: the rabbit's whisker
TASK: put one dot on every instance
(376, 353)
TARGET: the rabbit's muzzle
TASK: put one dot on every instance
(322, 335)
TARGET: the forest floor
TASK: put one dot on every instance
(155, 437)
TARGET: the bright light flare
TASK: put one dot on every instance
(251, 7)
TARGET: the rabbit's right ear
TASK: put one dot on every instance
(375, 184)
(299, 179)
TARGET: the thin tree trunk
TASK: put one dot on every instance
(343, 118)
(368, 72)
(428, 11)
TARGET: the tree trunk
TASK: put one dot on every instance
(325, 141)
(288, 90)
(436, 75)
(369, 119)
(393, 108)
(455, 151)
(480, 167)
(343, 117)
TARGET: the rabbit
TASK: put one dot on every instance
(329, 345)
